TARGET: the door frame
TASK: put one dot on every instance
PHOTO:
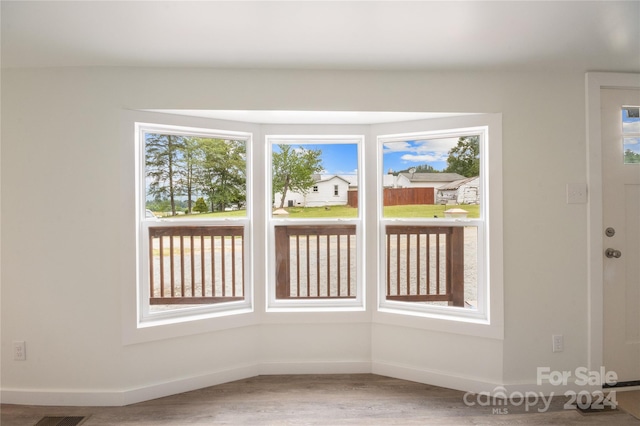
(593, 84)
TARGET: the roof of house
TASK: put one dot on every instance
(350, 179)
(432, 177)
(456, 184)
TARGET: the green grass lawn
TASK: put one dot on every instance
(217, 215)
(322, 212)
(409, 211)
(428, 210)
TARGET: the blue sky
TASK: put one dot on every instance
(337, 158)
(631, 125)
(402, 155)
(343, 158)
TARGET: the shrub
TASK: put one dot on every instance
(201, 206)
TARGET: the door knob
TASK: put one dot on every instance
(612, 253)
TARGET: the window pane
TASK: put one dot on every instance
(631, 120)
(631, 130)
(193, 266)
(197, 177)
(316, 262)
(427, 177)
(432, 265)
(315, 180)
(632, 150)
(187, 175)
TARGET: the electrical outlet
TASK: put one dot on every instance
(558, 343)
(19, 351)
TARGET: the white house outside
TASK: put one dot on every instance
(329, 190)
(425, 180)
(332, 190)
(463, 191)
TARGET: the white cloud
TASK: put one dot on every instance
(396, 146)
(631, 141)
(422, 158)
(437, 147)
(633, 127)
(442, 145)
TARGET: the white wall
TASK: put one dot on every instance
(66, 212)
(323, 197)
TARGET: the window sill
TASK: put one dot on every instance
(316, 316)
(184, 325)
(469, 326)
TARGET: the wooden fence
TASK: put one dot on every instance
(399, 196)
(425, 264)
(196, 264)
(315, 262)
(205, 264)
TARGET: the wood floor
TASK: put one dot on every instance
(357, 399)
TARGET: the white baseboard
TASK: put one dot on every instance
(432, 377)
(338, 367)
(89, 397)
(158, 390)
(58, 397)
(192, 383)
(125, 397)
(475, 385)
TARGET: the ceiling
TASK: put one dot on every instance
(309, 117)
(341, 35)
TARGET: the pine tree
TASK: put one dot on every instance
(201, 206)
(162, 161)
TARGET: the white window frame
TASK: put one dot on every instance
(314, 305)
(145, 318)
(487, 320)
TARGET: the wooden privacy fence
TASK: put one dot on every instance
(196, 264)
(425, 264)
(398, 196)
(406, 196)
(315, 262)
(352, 198)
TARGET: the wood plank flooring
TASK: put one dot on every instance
(352, 399)
(630, 402)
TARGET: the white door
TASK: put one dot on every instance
(621, 214)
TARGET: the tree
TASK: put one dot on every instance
(222, 171)
(426, 168)
(631, 157)
(187, 169)
(293, 170)
(158, 205)
(201, 206)
(162, 159)
(464, 158)
(231, 174)
(422, 168)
